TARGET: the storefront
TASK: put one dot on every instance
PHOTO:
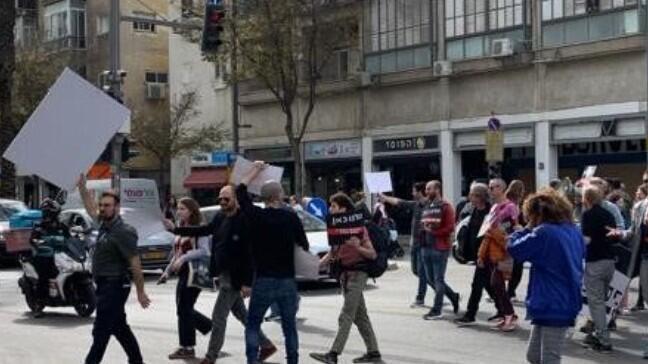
(280, 156)
(332, 166)
(616, 146)
(519, 156)
(409, 159)
(209, 172)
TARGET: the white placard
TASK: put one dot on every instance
(243, 166)
(306, 264)
(67, 132)
(378, 182)
(614, 295)
(589, 172)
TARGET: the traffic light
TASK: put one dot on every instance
(214, 15)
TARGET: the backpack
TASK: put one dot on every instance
(380, 241)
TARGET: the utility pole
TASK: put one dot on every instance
(115, 88)
(235, 88)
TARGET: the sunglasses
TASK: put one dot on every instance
(105, 205)
(224, 199)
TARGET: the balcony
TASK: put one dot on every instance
(65, 43)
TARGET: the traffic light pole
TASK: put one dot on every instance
(115, 86)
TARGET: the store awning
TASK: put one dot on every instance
(206, 178)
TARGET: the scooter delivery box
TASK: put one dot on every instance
(21, 225)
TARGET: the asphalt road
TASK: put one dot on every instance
(404, 338)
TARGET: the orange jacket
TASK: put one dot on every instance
(493, 246)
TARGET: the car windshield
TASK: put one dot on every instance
(310, 222)
(10, 208)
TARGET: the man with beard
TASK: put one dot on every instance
(115, 263)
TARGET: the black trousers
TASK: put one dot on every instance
(480, 282)
(46, 270)
(189, 320)
(112, 294)
(516, 278)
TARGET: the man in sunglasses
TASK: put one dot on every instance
(231, 263)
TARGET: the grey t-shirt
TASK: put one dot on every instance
(417, 208)
(116, 246)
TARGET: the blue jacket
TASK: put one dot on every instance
(556, 252)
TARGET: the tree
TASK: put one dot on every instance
(167, 136)
(286, 45)
(7, 65)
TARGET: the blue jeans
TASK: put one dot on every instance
(265, 292)
(435, 263)
(417, 267)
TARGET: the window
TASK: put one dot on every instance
(66, 23)
(395, 24)
(156, 77)
(143, 26)
(556, 9)
(397, 35)
(103, 25)
(465, 17)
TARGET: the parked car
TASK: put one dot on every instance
(314, 227)
(155, 242)
(7, 208)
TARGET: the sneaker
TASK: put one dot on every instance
(509, 324)
(602, 348)
(370, 357)
(417, 304)
(431, 316)
(589, 341)
(465, 321)
(266, 352)
(496, 318)
(207, 361)
(272, 318)
(588, 328)
(182, 353)
(328, 358)
(455, 303)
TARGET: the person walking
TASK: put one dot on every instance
(479, 202)
(353, 281)
(186, 250)
(438, 222)
(555, 248)
(599, 268)
(499, 223)
(232, 266)
(115, 262)
(515, 193)
(278, 233)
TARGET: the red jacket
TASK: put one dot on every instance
(440, 222)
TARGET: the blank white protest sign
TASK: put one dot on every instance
(67, 132)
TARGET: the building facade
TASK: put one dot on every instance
(78, 30)
(567, 79)
(200, 174)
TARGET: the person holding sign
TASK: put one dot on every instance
(278, 233)
(599, 268)
(555, 248)
(350, 247)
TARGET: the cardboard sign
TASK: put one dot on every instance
(243, 166)
(378, 182)
(67, 132)
(342, 227)
(589, 172)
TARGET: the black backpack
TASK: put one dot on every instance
(380, 241)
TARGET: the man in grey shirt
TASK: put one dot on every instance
(416, 207)
(114, 263)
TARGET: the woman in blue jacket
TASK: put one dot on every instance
(556, 249)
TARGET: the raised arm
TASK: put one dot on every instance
(88, 198)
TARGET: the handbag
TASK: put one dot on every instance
(199, 272)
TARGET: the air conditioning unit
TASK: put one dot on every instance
(502, 47)
(442, 68)
(365, 79)
(155, 91)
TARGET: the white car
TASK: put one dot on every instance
(155, 242)
(314, 227)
